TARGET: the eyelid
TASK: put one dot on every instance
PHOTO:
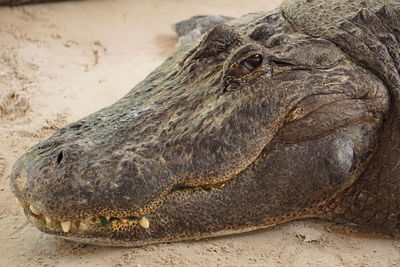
(311, 52)
(297, 65)
(240, 54)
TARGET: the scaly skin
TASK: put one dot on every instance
(272, 117)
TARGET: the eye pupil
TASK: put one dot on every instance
(252, 62)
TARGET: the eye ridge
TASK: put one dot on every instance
(252, 62)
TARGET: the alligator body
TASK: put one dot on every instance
(271, 117)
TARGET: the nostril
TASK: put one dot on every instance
(60, 157)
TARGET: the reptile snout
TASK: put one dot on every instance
(67, 179)
(46, 175)
(62, 191)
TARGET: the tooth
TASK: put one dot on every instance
(144, 222)
(19, 202)
(48, 220)
(66, 226)
(108, 218)
(34, 210)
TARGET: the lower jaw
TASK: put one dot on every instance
(106, 241)
(129, 233)
(119, 232)
(110, 242)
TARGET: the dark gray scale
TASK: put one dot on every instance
(262, 32)
(391, 18)
(374, 26)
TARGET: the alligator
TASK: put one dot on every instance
(272, 117)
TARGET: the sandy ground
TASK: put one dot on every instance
(60, 62)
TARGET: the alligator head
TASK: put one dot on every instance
(259, 123)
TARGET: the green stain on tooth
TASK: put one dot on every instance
(103, 221)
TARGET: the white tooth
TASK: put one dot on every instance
(19, 202)
(48, 220)
(34, 210)
(144, 222)
(108, 218)
(66, 226)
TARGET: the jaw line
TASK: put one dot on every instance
(178, 188)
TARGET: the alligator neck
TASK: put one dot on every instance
(374, 199)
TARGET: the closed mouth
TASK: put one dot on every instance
(90, 223)
(84, 224)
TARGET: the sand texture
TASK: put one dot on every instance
(62, 61)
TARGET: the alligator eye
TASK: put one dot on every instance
(250, 64)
